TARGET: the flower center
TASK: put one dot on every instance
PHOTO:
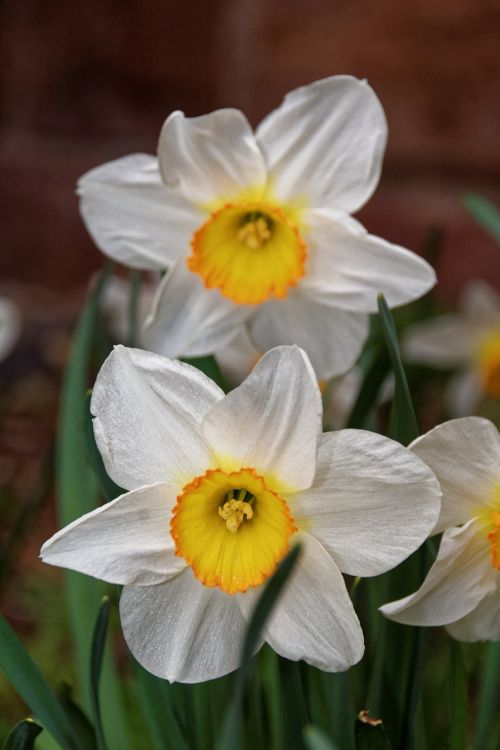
(249, 251)
(231, 528)
(488, 359)
(237, 507)
(494, 539)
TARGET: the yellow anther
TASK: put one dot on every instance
(494, 539)
(233, 512)
(255, 233)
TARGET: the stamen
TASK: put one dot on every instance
(255, 233)
(235, 511)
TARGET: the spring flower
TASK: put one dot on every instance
(218, 489)
(255, 227)
(469, 339)
(462, 589)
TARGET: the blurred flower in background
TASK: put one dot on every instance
(469, 340)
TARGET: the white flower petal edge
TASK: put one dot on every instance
(10, 326)
(132, 216)
(210, 158)
(314, 618)
(482, 624)
(126, 541)
(446, 341)
(272, 421)
(463, 393)
(481, 303)
(347, 267)
(459, 579)
(237, 357)
(148, 431)
(372, 502)
(332, 338)
(464, 454)
(181, 630)
(326, 142)
(189, 320)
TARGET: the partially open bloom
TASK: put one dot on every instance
(219, 487)
(462, 589)
(470, 340)
(255, 227)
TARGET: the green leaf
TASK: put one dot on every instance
(230, 738)
(404, 427)
(315, 739)
(78, 493)
(458, 695)
(25, 677)
(488, 698)
(157, 698)
(23, 735)
(370, 388)
(97, 653)
(109, 489)
(370, 734)
(77, 717)
(485, 213)
(208, 365)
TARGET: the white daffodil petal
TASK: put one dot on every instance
(332, 338)
(463, 393)
(187, 319)
(238, 357)
(126, 541)
(446, 341)
(132, 216)
(314, 618)
(347, 267)
(326, 143)
(482, 624)
(210, 158)
(372, 502)
(147, 413)
(182, 631)
(464, 454)
(459, 579)
(272, 421)
(481, 303)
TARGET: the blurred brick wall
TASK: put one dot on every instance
(84, 82)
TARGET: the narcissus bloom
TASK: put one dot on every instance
(219, 487)
(255, 227)
(462, 589)
(470, 340)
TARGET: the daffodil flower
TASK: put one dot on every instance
(470, 340)
(219, 487)
(462, 589)
(255, 227)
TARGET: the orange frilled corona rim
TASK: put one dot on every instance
(249, 251)
(231, 528)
